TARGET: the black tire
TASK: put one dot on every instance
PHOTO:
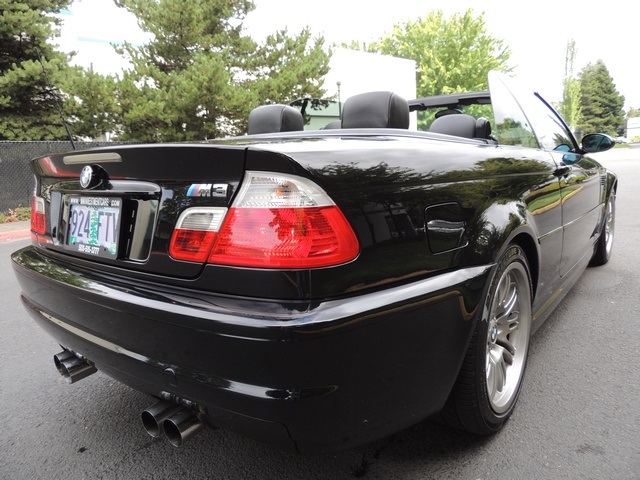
(489, 382)
(604, 245)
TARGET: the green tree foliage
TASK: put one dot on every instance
(91, 106)
(286, 68)
(570, 106)
(633, 112)
(199, 75)
(452, 54)
(601, 104)
(28, 104)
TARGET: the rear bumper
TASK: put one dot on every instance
(304, 376)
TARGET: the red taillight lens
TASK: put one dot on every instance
(38, 219)
(276, 221)
(302, 237)
(191, 245)
(195, 233)
(283, 221)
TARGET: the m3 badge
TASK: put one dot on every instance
(208, 190)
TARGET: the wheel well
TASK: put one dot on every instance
(528, 245)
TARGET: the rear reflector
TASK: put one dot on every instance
(38, 219)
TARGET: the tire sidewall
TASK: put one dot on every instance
(603, 251)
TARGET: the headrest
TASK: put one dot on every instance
(274, 118)
(448, 111)
(332, 125)
(462, 125)
(459, 125)
(483, 128)
(375, 110)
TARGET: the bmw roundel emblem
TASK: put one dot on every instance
(86, 176)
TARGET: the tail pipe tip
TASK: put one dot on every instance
(177, 423)
(181, 426)
(73, 367)
(154, 416)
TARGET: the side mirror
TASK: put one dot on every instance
(597, 142)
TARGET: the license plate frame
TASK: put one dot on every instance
(93, 225)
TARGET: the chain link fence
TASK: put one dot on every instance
(16, 178)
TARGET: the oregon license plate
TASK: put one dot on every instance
(93, 225)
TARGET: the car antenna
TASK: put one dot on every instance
(46, 77)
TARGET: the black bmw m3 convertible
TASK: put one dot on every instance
(317, 290)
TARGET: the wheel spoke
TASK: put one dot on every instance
(509, 295)
(508, 336)
(497, 370)
(507, 332)
(609, 225)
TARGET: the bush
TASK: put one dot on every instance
(18, 214)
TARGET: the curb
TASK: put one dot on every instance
(14, 236)
(11, 232)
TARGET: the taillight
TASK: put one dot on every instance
(195, 233)
(38, 219)
(276, 221)
(283, 221)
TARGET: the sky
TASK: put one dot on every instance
(536, 32)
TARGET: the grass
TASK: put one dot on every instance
(17, 214)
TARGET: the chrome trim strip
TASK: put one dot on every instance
(96, 340)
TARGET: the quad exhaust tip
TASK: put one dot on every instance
(175, 422)
(73, 367)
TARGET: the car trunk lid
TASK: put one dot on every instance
(119, 206)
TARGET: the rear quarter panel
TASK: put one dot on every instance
(386, 185)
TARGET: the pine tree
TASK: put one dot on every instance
(200, 75)
(601, 104)
(29, 105)
(91, 104)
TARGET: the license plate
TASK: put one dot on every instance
(93, 225)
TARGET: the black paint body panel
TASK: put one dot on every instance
(319, 359)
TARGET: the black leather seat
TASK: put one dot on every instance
(462, 125)
(274, 118)
(375, 110)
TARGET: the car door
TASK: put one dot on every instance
(579, 177)
(514, 132)
(580, 187)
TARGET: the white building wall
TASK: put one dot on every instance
(633, 128)
(360, 72)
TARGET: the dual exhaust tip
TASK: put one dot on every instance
(176, 423)
(73, 367)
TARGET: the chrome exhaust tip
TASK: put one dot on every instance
(154, 416)
(73, 367)
(181, 426)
